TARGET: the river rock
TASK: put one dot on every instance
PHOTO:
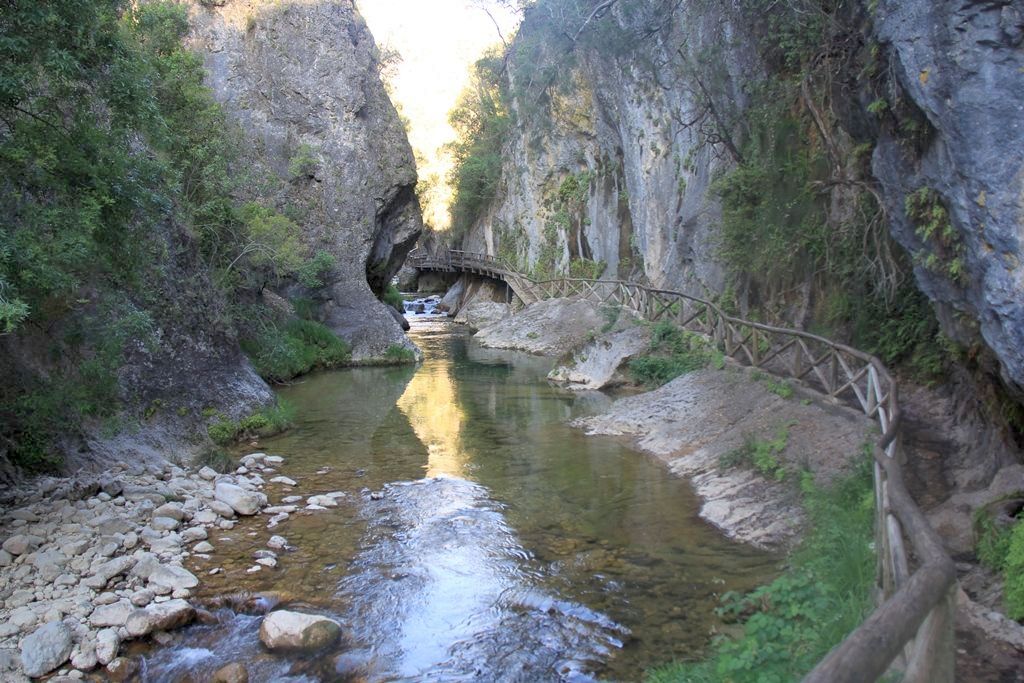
(172, 577)
(322, 501)
(277, 543)
(208, 473)
(164, 523)
(115, 614)
(48, 647)
(286, 481)
(162, 616)
(232, 673)
(107, 644)
(196, 533)
(172, 510)
(286, 630)
(22, 543)
(122, 669)
(202, 547)
(596, 365)
(108, 570)
(241, 501)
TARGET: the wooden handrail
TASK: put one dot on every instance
(912, 628)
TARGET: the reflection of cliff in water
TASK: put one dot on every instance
(432, 406)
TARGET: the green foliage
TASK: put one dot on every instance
(993, 540)
(761, 454)
(1013, 573)
(280, 352)
(932, 224)
(673, 352)
(481, 122)
(267, 422)
(313, 272)
(586, 269)
(878, 107)
(399, 354)
(392, 297)
(774, 223)
(791, 623)
(303, 163)
(217, 459)
(779, 387)
(1000, 547)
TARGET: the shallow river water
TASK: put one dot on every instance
(506, 545)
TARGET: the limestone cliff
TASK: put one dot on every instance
(301, 79)
(897, 123)
(645, 115)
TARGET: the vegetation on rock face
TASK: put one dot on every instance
(791, 623)
(283, 350)
(267, 422)
(673, 352)
(1000, 547)
(118, 186)
(481, 121)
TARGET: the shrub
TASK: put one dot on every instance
(393, 298)
(761, 454)
(673, 352)
(267, 422)
(1013, 573)
(280, 353)
(397, 353)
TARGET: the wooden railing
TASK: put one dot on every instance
(911, 630)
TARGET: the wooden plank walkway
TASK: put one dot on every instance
(911, 630)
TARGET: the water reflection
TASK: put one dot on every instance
(507, 545)
(431, 406)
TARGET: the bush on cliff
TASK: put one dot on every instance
(283, 351)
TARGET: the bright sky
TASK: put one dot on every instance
(438, 41)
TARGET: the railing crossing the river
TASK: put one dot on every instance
(911, 630)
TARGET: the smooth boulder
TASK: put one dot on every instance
(162, 616)
(238, 499)
(48, 647)
(285, 630)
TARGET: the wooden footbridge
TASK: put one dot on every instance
(911, 631)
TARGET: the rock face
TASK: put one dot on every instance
(695, 420)
(302, 80)
(480, 314)
(551, 327)
(963, 66)
(48, 647)
(284, 630)
(597, 364)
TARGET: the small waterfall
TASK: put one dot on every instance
(423, 308)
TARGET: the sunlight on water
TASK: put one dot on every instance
(499, 544)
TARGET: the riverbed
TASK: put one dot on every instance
(479, 538)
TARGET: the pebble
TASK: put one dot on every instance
(82, 567)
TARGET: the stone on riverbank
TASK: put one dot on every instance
(162, 616)
(551, 327)
(480, 314)
(597, 365)
(238, 499)
(232, 673)
(286, 630)
(48, 647)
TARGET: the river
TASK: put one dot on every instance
(480, 537)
